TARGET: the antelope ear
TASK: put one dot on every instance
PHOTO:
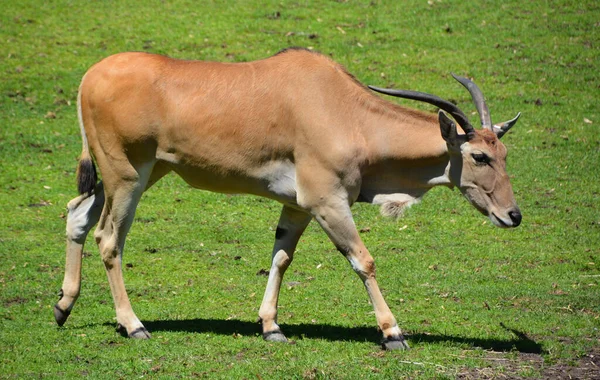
(502, 128)
(448, 129)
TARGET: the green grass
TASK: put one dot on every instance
(473, 299)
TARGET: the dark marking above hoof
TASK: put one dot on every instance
(121, 330)
(61, 315)
(274, 336)
(140, 333)
(280, 233)
(394, 343)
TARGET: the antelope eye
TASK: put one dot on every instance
(480, 158)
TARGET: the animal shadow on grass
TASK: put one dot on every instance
(521, 342)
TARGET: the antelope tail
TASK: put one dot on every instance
(86, 170)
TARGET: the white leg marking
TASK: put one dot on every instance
(83, 214)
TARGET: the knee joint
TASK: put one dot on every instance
(365, 268)
(109, 250)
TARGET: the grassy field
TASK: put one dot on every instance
(475, 301)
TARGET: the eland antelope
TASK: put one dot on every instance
(296, 128)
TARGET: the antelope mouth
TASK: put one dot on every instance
(499, 222)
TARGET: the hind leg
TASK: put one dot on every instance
(122, 197)
(83, 214)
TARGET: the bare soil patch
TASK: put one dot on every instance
(532, 366)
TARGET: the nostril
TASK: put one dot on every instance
(516, 217)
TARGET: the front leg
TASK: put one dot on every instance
(292, 224)
(335, 218)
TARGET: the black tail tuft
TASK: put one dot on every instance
(86, 175)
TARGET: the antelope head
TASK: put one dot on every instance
(478, 157)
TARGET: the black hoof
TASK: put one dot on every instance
(140, 333)
(275, 336)
(61, 315)
(394, 343)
